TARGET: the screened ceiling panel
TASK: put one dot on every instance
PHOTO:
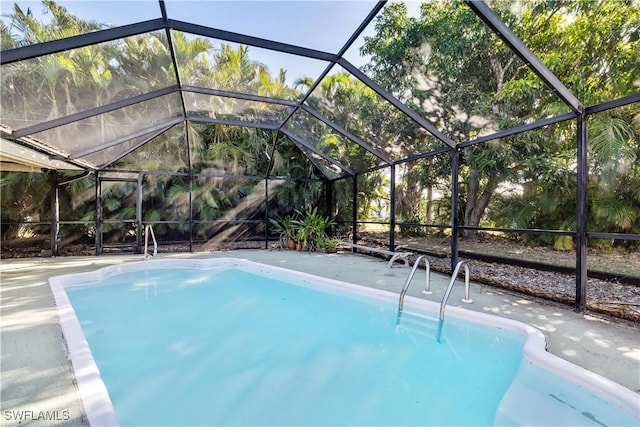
(328, 169)
(321, 136)
(287, 163)
(165, 152)
(462, 85)
(440, 75)
(351, 104)
(95, 132)
(112, 14)
(603, 35)
(53, 86)
(354, 54)
(111, 153)
(320, 25)
(233, 109)
(104, 14)
(208, 62)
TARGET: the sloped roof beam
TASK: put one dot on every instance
(396, 103)
(155, 128)
(500, 28)
(74, 42)
(347, 134)
(85, 114)
(239, 95)
(320, 153)
(55, 46)
(172, 51)
(201, 30)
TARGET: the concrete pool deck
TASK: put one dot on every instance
(38, 385)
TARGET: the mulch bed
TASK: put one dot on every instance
(603, 296)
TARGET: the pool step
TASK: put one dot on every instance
(418, 323)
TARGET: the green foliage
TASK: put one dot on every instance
(286, 228)
(563, 243)
(444, 63)
(308, 228)
(311, 229)
(452, 70)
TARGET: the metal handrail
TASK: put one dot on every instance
(149, 229)
(427, 286)
(405, 287)
(466, 298)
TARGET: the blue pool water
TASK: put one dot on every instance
(234, 346)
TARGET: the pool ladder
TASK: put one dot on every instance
(454, 276)
(405, 287)
(427, 289)
(148, 229)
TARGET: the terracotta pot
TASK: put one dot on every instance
(298, 246)
(292, 245)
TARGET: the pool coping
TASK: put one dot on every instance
(99, 408)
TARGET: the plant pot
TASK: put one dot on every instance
(292, 245)
(298, 246)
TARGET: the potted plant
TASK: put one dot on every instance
(301, 239)
(311, 229)
(286, 228)
(331, 245)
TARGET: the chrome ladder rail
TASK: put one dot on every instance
(405, 287)
(148, 229)
(454, 276)
(427, 286)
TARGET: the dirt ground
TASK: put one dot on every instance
(610, 297)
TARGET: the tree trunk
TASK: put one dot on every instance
(429, 214)
(477, 199)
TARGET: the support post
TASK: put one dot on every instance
(98, 215)
(190, 178)
(139, 227)
(455, 192)
(392, 210)
(354, 214)
(266, 212)
(55, 213)
(581, 214)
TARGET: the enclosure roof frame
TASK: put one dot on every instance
(164, 23)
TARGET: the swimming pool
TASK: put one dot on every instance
(232, 342)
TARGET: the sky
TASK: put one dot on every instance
(321, 24)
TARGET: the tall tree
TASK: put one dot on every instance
(448, 66)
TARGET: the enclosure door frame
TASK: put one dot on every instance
(100, 220)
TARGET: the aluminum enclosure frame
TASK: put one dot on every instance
(579, 112)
